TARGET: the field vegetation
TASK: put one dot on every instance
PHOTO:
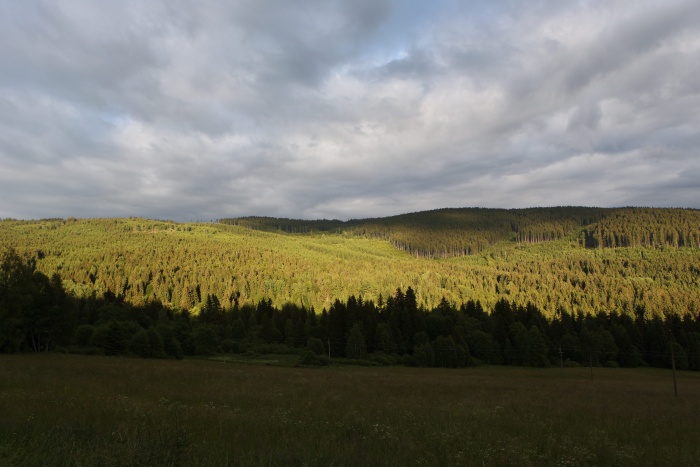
(105, 411)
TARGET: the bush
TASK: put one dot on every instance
(171, 346)
(230, 346)
(155, 341)
(83, 335)
(85, 350)
(113, 337)
(408, 360)
(355, 361)
(140, 345)
(315, 345)
(382, 359)
(424, 355)
(309, 358)
(279, 349)
(205, 341)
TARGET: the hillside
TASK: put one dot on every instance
(447, 233)
(573, 259)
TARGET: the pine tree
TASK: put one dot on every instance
(355, 346)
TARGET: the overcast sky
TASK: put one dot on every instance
(345, 109)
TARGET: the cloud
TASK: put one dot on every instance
(344, 108)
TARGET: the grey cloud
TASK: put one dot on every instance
(626, 41)
(301, 42)
(586, 116)
(46, 49)
(344, 108)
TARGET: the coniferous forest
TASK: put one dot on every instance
(445, 288)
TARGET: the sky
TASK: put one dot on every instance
(340, 109)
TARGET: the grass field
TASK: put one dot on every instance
(85, 411)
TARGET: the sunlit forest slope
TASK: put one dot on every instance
(571, 259)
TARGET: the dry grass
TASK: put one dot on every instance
(83, 411)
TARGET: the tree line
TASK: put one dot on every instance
(37, 314)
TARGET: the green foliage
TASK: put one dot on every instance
(424, 355)
(645, 227)
(31, 314)
(484, 348)
(310, 358)
(206, 340)
(445, 352)
(315, 345)
(83, 335)
(385, 338)
(139, 344)
(355, 346)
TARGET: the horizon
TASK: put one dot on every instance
(245, 216)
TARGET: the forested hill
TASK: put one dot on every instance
(583, 260)
(457, 232)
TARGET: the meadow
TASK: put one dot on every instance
(83, 411)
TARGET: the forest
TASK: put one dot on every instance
(452, 287)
